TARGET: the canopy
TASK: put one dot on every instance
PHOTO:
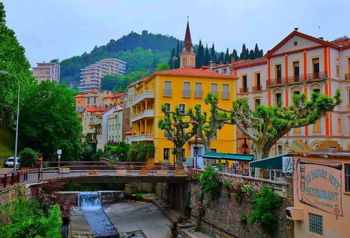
(223, 156)
(269, 163)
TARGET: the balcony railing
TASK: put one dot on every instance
(257, 88)
(298, 79)
(137, 138)
(347, 76)
(145, 114)
(225, 95)
(142, 96)
(244, 90)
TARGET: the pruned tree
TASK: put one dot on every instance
(265, 125)
(179, 129)
(207, 124)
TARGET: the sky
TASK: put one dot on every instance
(50, 29)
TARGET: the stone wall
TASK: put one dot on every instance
(12, 193)
(222, 217)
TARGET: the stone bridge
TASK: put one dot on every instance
(96, 172)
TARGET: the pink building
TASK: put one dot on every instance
(300, 64)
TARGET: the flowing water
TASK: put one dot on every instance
(101, 226)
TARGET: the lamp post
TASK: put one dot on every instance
(17, 117)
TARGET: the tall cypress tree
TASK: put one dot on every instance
(212, 54)
(200, 55)
(171, 62)
(227, 57)
(206, 55)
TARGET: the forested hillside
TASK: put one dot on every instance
(140, 51)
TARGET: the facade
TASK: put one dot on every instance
(300, 64)
(92, 75)
(47, 71)
(184, 87)
(96, 99)
(321, 195)
(118, 125)
(92, 124)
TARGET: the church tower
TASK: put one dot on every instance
(187, 56)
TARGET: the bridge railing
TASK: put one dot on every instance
(79, 169)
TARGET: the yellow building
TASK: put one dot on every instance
(184, 87)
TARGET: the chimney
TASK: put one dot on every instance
(296, 29)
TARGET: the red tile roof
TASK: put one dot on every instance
(115, 95)
(249, 63)
(193, 72)
(79, 96)
(96, 109)
(137, 82)
(342, 42)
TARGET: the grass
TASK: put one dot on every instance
(6, 143)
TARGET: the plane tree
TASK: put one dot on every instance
(265, 125)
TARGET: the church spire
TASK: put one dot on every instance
(188, 41)
(187, 56)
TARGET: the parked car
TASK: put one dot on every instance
(10, 161)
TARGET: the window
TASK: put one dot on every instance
(167, 89)
(88, 100)
(258, 81)
(278, 73)
(214, 88)
(316, 90)
(95, 99)
(166, 153)
(244, 81)
(296, 71)
(316, 224)
(337, 69)
(182, 108)
(347, 177)
(279, 150)
(186, 89)
(225, 91)
(167, 106)
(257, 102)
(198, 90)
(316, 67)
(278, 99)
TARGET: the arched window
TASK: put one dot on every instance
(279, 150)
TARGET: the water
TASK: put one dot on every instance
(99, 223)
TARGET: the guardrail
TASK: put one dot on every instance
(80, 169)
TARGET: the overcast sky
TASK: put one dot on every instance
(51, 29)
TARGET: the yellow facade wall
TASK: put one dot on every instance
(226, 138)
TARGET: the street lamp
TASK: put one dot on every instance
(17, 120)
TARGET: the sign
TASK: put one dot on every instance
(59, 151)
(319, 185)
(287, 164)
(40, 159)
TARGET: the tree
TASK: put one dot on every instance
(206, 126)
(162, 66)
(28, 157)
(213, 54)
(265, 125)
(141, 152)
(118, 151)
(227, 57)
(49, 121)
(178, 129)
(13, 61)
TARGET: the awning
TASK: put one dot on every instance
(269, 163)
(224, 156)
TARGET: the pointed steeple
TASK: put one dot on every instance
(187, 56)
(188, 41)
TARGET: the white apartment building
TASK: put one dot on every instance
(47, 71)
(92, 75)
(300, 64)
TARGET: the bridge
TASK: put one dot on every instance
(96, 172)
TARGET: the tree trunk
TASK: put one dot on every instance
(260, 152)
(178, 155)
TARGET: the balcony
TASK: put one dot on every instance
(243, 90)
(139, 138)
(145, 114)
(347, 76)
(298, 79)
(256, 89)
(142, 96)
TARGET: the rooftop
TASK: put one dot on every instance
(192, 72)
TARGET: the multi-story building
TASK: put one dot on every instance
(97, 98)
(184, 87)
(300, 64)
(47, 71)
(92, 75)
(118, 125)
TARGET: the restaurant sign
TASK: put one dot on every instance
(319, 186)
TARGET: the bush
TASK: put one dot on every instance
(210, 182)
(138, 196)
(263, 209)
(141, 152)
(118, 152)
(28, 157)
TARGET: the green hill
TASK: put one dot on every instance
(6, 142)
(144, 50)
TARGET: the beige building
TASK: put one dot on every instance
(118, 125)
(300, 64)
(47, 71)
(92, 75)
